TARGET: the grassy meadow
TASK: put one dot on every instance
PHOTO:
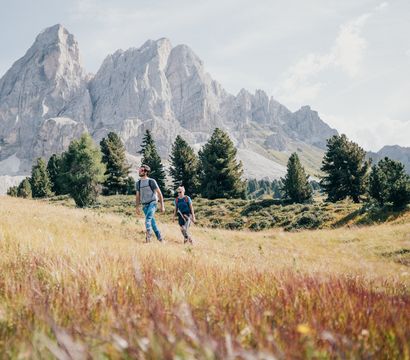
(256, 215)
(79, 284)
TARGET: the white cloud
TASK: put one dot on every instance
(371, 136)
(346, 54)
(298, 84)
(349, 49)
(382, 6)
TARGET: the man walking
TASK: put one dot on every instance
(148, 194)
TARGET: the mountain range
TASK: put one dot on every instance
(395, 152)
(47, 99)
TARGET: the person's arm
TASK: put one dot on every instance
(137, 203)
(175, 210)
(161, 200)
(192, 211)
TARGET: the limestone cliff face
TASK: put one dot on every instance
(306, 125)
(46, 100)
(47, 82)
(131, 93)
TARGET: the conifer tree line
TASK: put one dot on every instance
(348, 175)
(78, 172)
(213, 173)
(85, 170)
(264, 188)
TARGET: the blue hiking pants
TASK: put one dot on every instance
(150, 224)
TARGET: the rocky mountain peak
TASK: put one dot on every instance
(306, 125)
(396, 152)
(46, 100)
(47, 82)
(187, 56)
(387, 148)
(54, 34)
(305, 109)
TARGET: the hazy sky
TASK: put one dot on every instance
(349, 60)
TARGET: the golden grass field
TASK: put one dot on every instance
(77, 284)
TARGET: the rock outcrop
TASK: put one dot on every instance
(47, 82)
(47, 99)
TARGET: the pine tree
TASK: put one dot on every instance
(184, 166)
(24, 189)
(389, 183)
(220, 173)
(151, 158)
(346, 169)
(83, 171)
(377, 185)
(54, 170)
(252, 185)
(296, 185)
(114, 158)
(40, 181)
(130, 186)
(276, 187)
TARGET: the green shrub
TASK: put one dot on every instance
(305, 221)
(24, 189)
(259, 225)
(12, 191)
(257, 205)
(237, 224)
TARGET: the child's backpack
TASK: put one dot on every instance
(185, 199)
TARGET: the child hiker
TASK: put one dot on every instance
(185, 212)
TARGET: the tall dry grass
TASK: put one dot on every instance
(78, 284)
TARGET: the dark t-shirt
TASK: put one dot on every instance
(183, 204)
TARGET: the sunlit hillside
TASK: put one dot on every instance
(80, 283)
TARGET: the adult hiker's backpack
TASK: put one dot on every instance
(151, 184)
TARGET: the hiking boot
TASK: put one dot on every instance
(185, 240)
(162, 240)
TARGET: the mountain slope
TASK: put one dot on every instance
(46, 85)
(46, 100)
(395, 152)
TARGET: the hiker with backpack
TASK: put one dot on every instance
(148, 194)
(185, 212)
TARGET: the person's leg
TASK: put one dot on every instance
(184, 224)
(153, 208)
(187, 225)
(148, 221)
(181, 222)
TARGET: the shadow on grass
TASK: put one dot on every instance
(348, 218)
(370, 215)
(401, 256)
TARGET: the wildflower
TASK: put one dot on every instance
(303, 329)
(365, 333)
